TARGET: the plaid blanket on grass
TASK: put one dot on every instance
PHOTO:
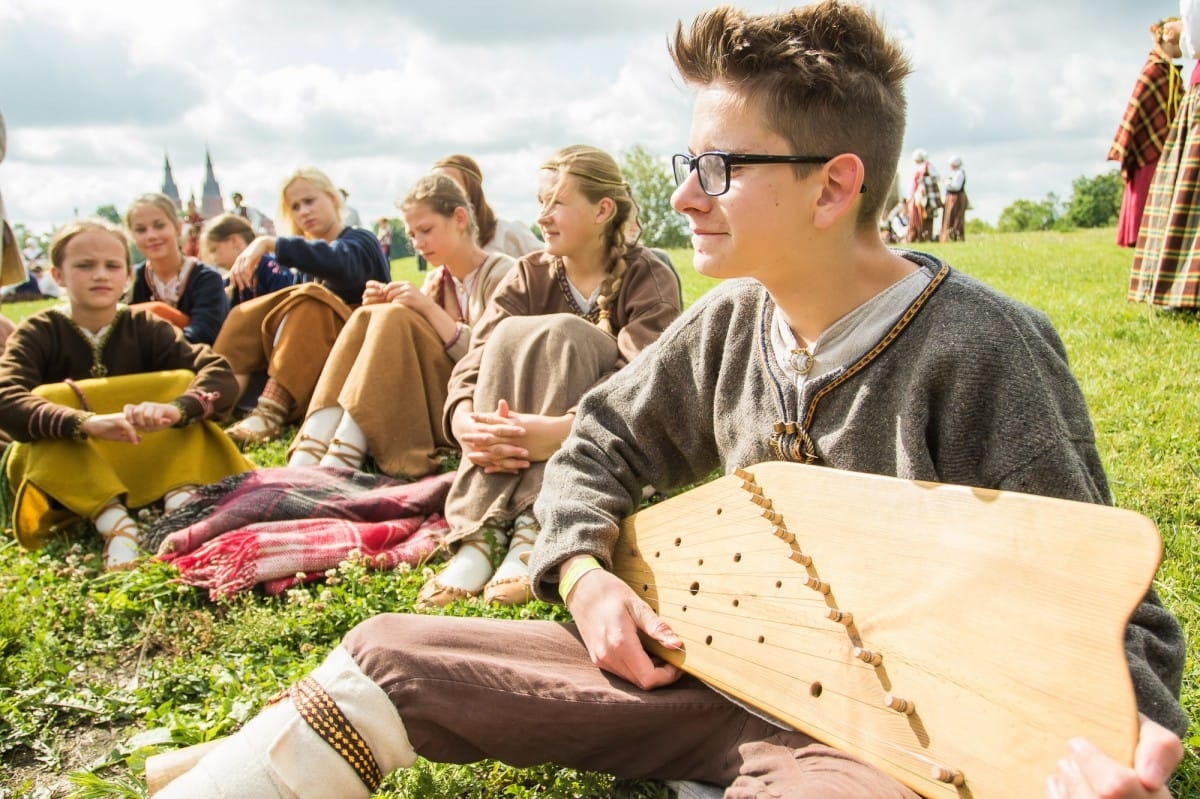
(269, 525)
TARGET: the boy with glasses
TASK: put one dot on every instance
(835, 351)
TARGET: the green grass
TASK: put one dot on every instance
(99, 671)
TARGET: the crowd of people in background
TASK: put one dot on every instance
(930, 196)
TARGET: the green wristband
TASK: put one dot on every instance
(579, 568)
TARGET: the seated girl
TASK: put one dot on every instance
(495, 235)
(561, 322)
(288, 334)
(109, 406)
(225, 237)
(187, 293)
(382, 389)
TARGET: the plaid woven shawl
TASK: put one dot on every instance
(269, 525)
(1151, 108)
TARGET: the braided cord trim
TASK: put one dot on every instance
(327, 720)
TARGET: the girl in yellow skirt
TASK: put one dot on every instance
(382, 389)
(108, 407)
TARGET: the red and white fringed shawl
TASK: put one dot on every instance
(274, 524)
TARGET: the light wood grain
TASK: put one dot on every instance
(999, 616)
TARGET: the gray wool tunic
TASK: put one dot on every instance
(969, 387)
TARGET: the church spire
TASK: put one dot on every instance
(168, 186)
(211, 203)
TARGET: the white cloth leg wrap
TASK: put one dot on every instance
(516, 563)
(277, 755)
(319, 426)
(348, 441)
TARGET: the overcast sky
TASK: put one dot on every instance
(1028, 93)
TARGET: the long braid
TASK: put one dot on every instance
(618, 249)
(598, 177)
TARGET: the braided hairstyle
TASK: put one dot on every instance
(472, 183)
(442, 195)
(597, 176)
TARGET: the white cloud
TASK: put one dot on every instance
(373, 91)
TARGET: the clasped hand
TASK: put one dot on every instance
(506, 441)
(400, 292)
(128, 425)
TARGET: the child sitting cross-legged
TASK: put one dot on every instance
(108, 406)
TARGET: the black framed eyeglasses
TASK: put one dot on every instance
(713, 167)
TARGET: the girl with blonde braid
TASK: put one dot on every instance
(562, 321)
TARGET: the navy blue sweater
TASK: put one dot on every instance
(203, 299)
(343, 266)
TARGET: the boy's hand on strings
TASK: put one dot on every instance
(609, 615)
(150, 417)
(110, 427)
(1087, 773)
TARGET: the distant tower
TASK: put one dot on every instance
(211, 203)
(169, 188)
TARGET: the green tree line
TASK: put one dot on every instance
(1094, 202)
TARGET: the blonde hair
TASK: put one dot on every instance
(825, 77)
(62, 237)
(442, 195)
(598, 176)
(472, 176)
(321, 183)
(160, 201)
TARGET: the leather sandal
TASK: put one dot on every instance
(127, 529)
(515, 590)
(351, 457)
(264, 423)
(311, 446)
(436, 595)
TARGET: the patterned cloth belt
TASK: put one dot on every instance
(328, 721)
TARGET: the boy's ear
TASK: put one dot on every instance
(841, 190)
(57, 274)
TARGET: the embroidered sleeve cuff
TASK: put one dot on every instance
(190, 410)
(77, 425)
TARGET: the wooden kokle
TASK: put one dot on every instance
(955, 637)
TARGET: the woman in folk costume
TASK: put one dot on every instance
(179, 288)
(924, 199)
(1166, 264)
(954, 214)
(562, 321)
(495, 235)
(288, 334)
(383, 387)
(1143, 131)
(109, 406)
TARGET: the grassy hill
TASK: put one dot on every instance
(98, 671)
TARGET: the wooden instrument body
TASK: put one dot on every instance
(999, 616)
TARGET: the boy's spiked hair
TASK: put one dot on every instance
(825, 77)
